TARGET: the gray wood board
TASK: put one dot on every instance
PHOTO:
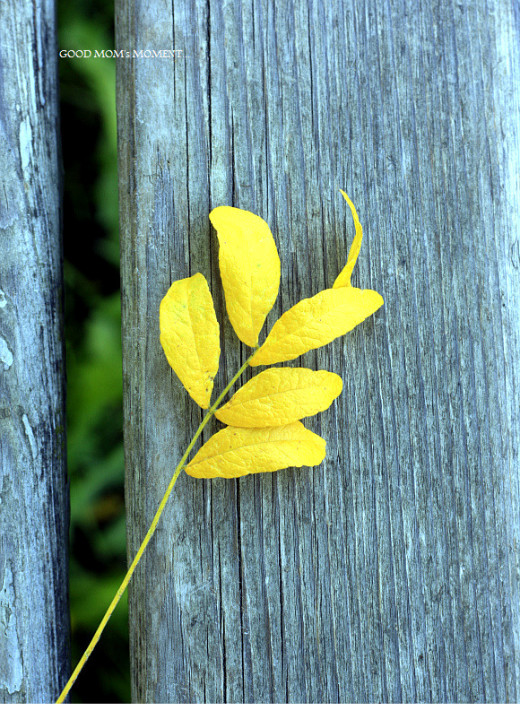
(34, 622)
(390, 572)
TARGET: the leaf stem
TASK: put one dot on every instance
(211, 410)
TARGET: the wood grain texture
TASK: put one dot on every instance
(34, 622)
(391, 572)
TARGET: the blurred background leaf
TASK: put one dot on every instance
(93, 332)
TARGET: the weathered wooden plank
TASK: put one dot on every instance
(34, 622)
(391, 573)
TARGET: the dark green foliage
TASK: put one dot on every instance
(93, 320)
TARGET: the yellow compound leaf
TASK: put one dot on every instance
(234, 452)
(280, 396)
(344, 276)
(316, 321)
(250, 269)
(190, 335)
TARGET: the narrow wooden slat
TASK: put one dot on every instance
(34, 622)
(389, 573)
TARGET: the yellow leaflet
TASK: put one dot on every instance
(250, 269)
(280, 396)
(315, 322)
(190, 336)
(233, 452)
(344, 276)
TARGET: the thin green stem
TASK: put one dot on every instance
(211, 410)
